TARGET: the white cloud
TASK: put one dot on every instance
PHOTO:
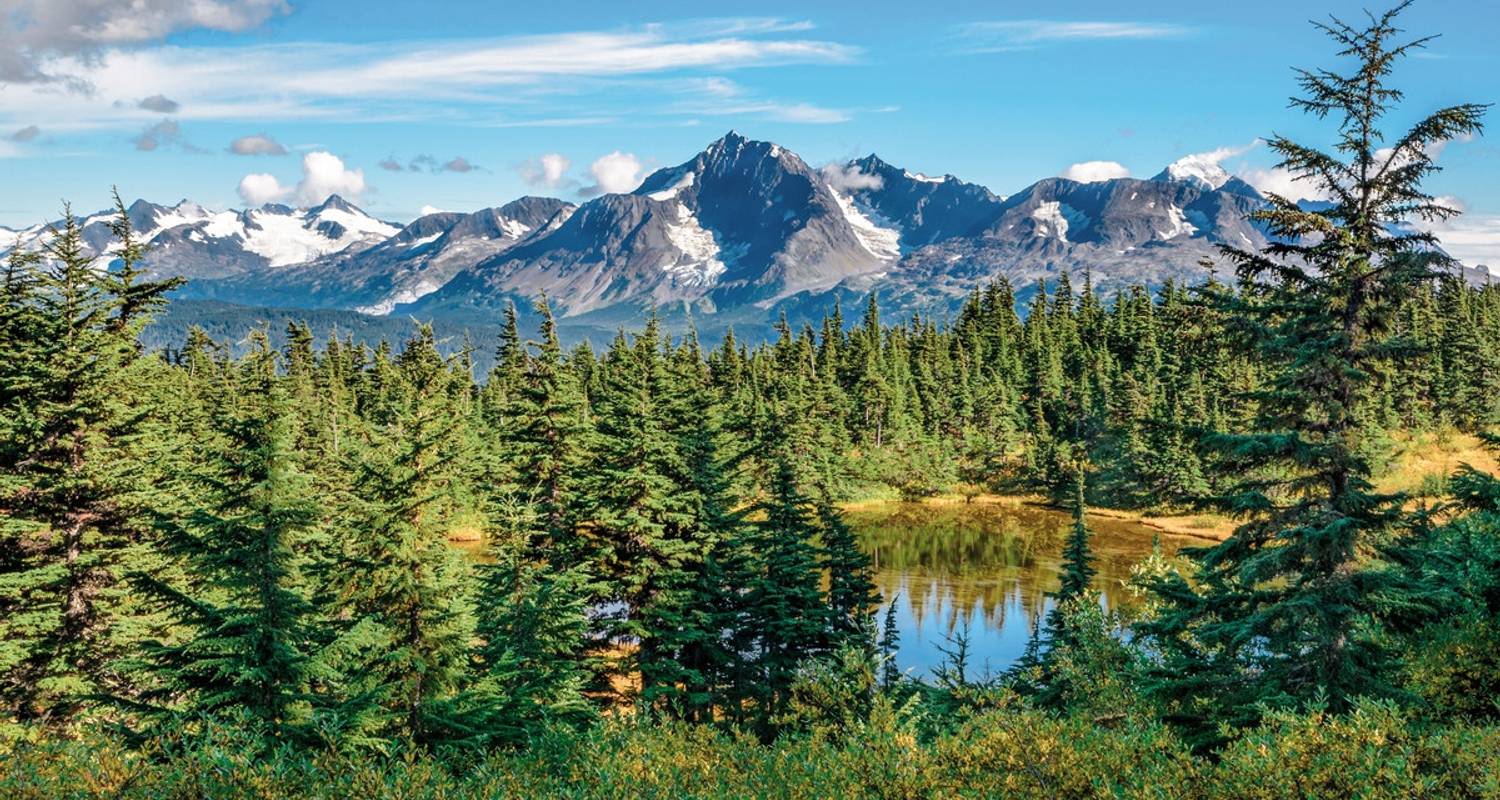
(849, 178)
(256, 144)
(431, 210)
(1472, 239)
(404, 80)
(37, 32)
(259, 188)
(1094, 171)
(614, 173)
(1275, 180)
(1010, 35)
(548, 170)
(323, 174)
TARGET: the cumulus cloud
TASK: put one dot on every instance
(323, 174)
(256, 144)
(614, 173)
(549, 170)
(458, 164)
(431, 210)
(390, 164)
(161, 104)
(1010, 35)
(1275, 180)
(259, 188)
(162, 134)
(37, 33)
(848, 178)
(1095, 171)
(26, 134)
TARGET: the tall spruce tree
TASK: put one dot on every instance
(249, 622)
(1289, 607)
(787, 613)
(399, 576)
(69, 491)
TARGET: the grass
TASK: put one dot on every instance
(1422, 462)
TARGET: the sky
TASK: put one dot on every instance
(406, 107)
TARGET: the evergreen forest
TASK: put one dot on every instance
(339, 568)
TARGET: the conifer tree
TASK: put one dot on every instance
(852, 597)
(250, 625)
(400, 578)
(787, 614)
(69, 518)
(1289, 607)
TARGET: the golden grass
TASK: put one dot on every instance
(1424, 458)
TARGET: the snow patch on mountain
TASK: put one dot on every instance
(698, 262)
(883, 242)
(1177, 225)
(410, 294)
(671, 191)
(1054, 219)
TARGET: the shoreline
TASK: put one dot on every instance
(1208, 527)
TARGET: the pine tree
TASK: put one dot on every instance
(889, 645)
(68, 487)
(787, 615)
(250, 625)
(533, 627)
(1289, 607)
(852, 597)
(400, 579)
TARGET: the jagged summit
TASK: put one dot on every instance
(737, 231)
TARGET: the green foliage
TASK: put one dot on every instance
(1292, 606)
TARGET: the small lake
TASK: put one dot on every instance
(990, 565)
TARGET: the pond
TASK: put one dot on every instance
(987, 565)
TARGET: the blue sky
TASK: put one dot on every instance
(235, 101)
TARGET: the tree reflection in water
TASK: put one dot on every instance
(992, 563)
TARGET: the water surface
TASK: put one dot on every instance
(989, 565)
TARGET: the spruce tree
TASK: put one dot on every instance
(69, 488)
(249, 623)
(852, 597)
(1289, 608)
(787, 614)
(403, 586)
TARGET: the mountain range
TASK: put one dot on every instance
(737, 235)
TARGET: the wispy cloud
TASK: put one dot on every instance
(500, 81)
(1012, 35)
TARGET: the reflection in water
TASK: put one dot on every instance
(987, 565)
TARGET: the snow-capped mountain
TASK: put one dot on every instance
(739, 233)
(921, 209)
(415, 261)
(191, 241)
(744, 222)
